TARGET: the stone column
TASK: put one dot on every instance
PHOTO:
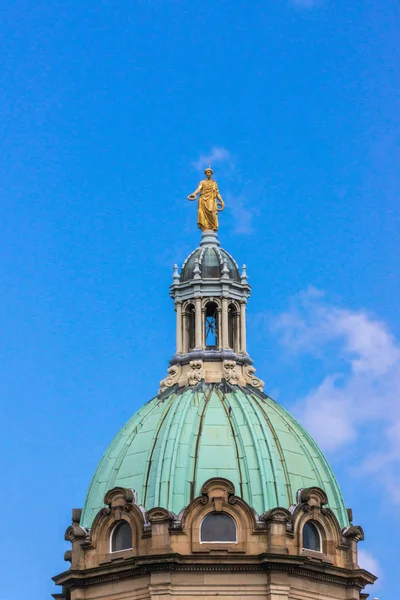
(236, 332)
(178, 328)
(243, 327)
(185, 331)
(219, 328)
(225, 341)
(203, 327)
(198, 328)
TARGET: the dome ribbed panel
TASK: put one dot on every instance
(171, 446)
(211, 261)
(188, 266)
(211, 266)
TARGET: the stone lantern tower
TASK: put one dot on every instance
(210, 302)
(212, 488)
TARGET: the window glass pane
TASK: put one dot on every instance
(311, 539)
(211, 321)
(121, 537)
(218, 527)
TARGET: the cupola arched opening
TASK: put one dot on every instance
(121, 537)
(211, 333)
(218, 527)
(311, 537)
(233, 327)
(189, 328)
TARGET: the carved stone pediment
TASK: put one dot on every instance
(118, 497)
(313, 496)
(354, 532)
(75, 532)
(159, 515)
(278, 514)
(218, 488)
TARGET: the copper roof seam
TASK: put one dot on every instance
(333, 483)
(109, 449)
(207, 397)
(122, 453)
(163, 439)
(262, 472)
(175, 449)
(270, 450)
(338, 496)
(167, 424)
(289, 491)
(232, 421)
(191, 455)
(150, 455)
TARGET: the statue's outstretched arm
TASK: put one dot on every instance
(193, 196)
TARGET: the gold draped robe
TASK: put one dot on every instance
(207, 214)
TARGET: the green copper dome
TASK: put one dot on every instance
(178, 440)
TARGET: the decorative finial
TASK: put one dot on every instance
(175, 276)
(196, 270)
(243, 277)
(225, 270)
(210, 202)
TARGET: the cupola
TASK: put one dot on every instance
(210, 297)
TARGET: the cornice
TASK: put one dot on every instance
(135, 567)
(211, 356)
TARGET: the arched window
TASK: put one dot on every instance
(218, 527)
(211, 325)
(311, 537)
(121, 537)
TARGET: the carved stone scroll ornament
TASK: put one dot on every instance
(229, 371)
(196, 372)
(248, 374)
(171, 379)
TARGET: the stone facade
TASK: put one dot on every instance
(168, 558)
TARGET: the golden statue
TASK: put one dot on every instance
(210, 202)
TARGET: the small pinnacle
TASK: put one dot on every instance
(243, 277)
(225, 270)
(196, 270)
(175, 276)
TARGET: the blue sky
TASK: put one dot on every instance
(108, 113)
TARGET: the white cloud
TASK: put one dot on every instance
(242, 212)
(362, 391)
(367, 561)
(217, 154)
